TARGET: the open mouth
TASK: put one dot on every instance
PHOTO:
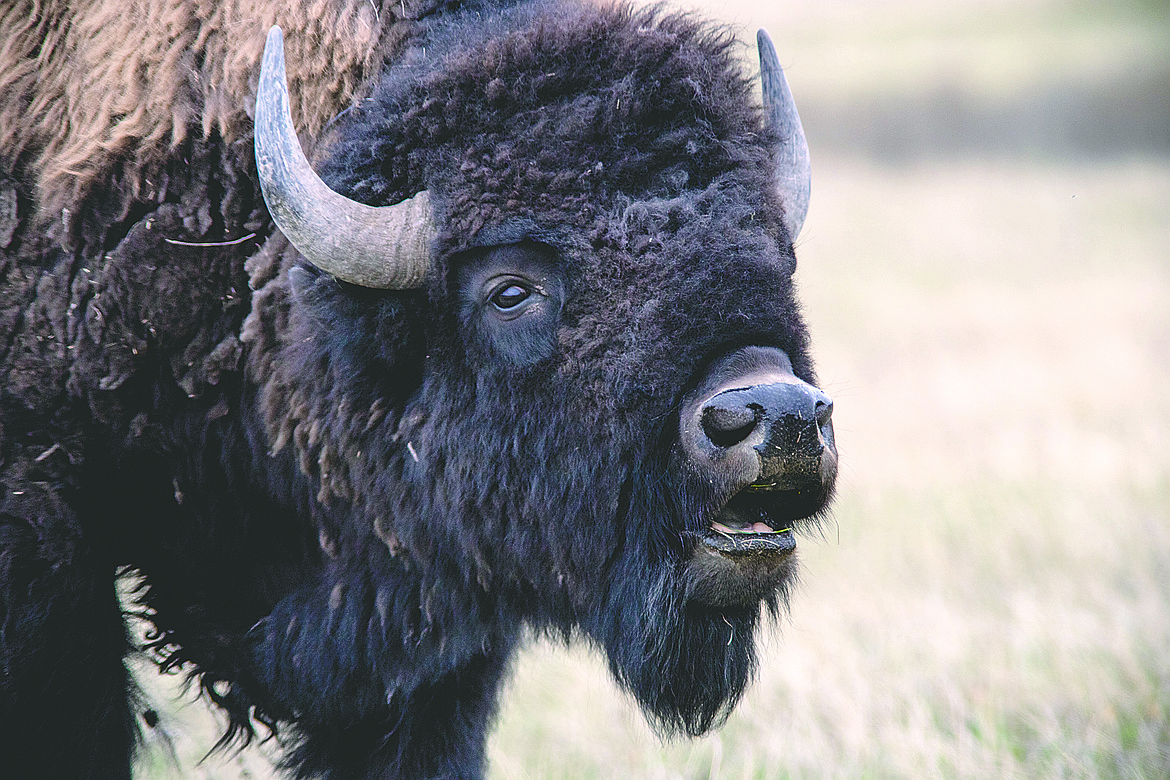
(748, 549)
(757, 521)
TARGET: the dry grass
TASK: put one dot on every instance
(993, 598)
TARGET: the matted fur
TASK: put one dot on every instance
(90, 85)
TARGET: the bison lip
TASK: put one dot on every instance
(752, 524)
(749, 543)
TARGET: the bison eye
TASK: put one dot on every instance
(510, 299)
(509, 295)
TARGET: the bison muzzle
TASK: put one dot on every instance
(765, 436)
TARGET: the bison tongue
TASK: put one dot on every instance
(753, 528)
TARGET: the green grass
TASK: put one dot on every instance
(992, 597)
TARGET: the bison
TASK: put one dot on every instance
(512, 350)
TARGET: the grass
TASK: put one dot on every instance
(992, 598)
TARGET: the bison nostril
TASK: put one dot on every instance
(824, 411)
(726, 427)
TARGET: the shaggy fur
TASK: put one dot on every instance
(347, 505)
(88, 86)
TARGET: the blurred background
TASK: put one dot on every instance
(986, 272)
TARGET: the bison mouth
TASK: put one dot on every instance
(748, 549)
(752, 523)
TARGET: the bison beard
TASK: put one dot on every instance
(589, 412)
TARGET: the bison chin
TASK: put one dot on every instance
(686, 664)
(729, 568)
(686, 661)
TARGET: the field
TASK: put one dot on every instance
(986, 271)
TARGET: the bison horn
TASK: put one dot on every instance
(793, 171)
(386, 247)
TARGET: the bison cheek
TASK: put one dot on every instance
(718, 579)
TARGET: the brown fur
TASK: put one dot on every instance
(90, 89)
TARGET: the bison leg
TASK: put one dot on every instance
(65, 693)
(370, 696)
(438, 730)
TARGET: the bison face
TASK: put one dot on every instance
(599, 413)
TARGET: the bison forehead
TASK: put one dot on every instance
(554, 116)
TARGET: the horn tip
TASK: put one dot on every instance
(764, 41)
(272, 59)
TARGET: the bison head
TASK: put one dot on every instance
(545, 357)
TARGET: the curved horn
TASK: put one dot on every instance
(386, 247)
(793, 170)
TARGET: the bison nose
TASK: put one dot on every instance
(783, 423)
(786, 413)
(752, 421)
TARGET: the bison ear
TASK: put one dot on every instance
(300, 280)
(793, 170)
